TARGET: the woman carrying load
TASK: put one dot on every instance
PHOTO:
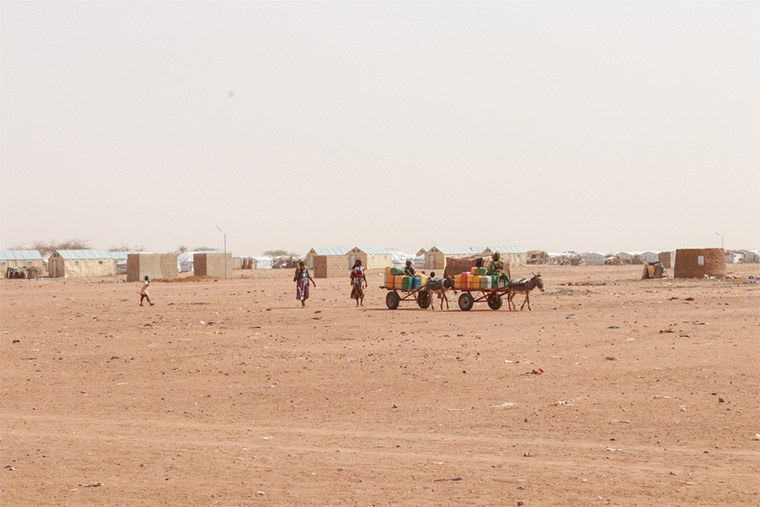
(358, 282)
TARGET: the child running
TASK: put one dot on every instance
(144, 292)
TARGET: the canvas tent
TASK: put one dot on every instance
(262, 262)
(399, 259)
(72, 263)
(593, 258)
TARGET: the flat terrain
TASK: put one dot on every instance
(228, 393)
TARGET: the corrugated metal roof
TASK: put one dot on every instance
(84, 254)
(20, 255)
(506, 249)
(456, 250)
(331, 250)
(374, 250)
(119, 256)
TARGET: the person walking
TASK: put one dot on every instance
(144, 292)
(358, 282)
(302, 278)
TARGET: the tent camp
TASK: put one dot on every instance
(399, 259)
(262, 262)
(593, 258)
(72, 263)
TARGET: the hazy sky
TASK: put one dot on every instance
(548, 125)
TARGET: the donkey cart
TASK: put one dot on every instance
(471, 296)
(466, 300)
(395, 296)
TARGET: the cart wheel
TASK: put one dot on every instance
(392, 300)
(495, 301)
(423, 299)
(466, 301)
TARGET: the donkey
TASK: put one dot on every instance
(439, 286)
(523, 286)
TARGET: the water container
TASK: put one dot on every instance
(416, 282)
(388, 270)
(482, 271)
(465, 279)
(390, 281)
(474, 282)
(473, 271)
(423, 280)
(399, 282)
(407, 283)
(457, 281)
(494, 281)
(397, 271)
(485, 282)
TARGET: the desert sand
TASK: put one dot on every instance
(228, 393)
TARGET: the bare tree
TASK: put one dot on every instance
(47, 247)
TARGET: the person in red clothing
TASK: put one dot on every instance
(302, 278)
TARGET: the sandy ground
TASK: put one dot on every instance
(228, 393)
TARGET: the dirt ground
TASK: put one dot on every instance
(228, 393)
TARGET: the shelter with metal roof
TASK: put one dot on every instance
(514, 255)
(85, 262)
(435, 257)
(372, 257)
(20, 259)
(327, 251)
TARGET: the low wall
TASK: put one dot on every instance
(698, 262)
(213, 264)
(152, 265)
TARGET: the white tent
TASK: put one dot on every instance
(399, 259)
(262, 262)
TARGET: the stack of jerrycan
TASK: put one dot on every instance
(477, 279)
(395, 279)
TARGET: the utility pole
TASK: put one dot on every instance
(225, 250)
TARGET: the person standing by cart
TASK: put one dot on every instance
(496, 267)
(302, 279)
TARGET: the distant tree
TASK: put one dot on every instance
(181, 249)
(199, 248)
(47, 247)
(280, 253)
(125, 248)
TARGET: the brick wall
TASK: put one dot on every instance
(698, 262)
(330, 266)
